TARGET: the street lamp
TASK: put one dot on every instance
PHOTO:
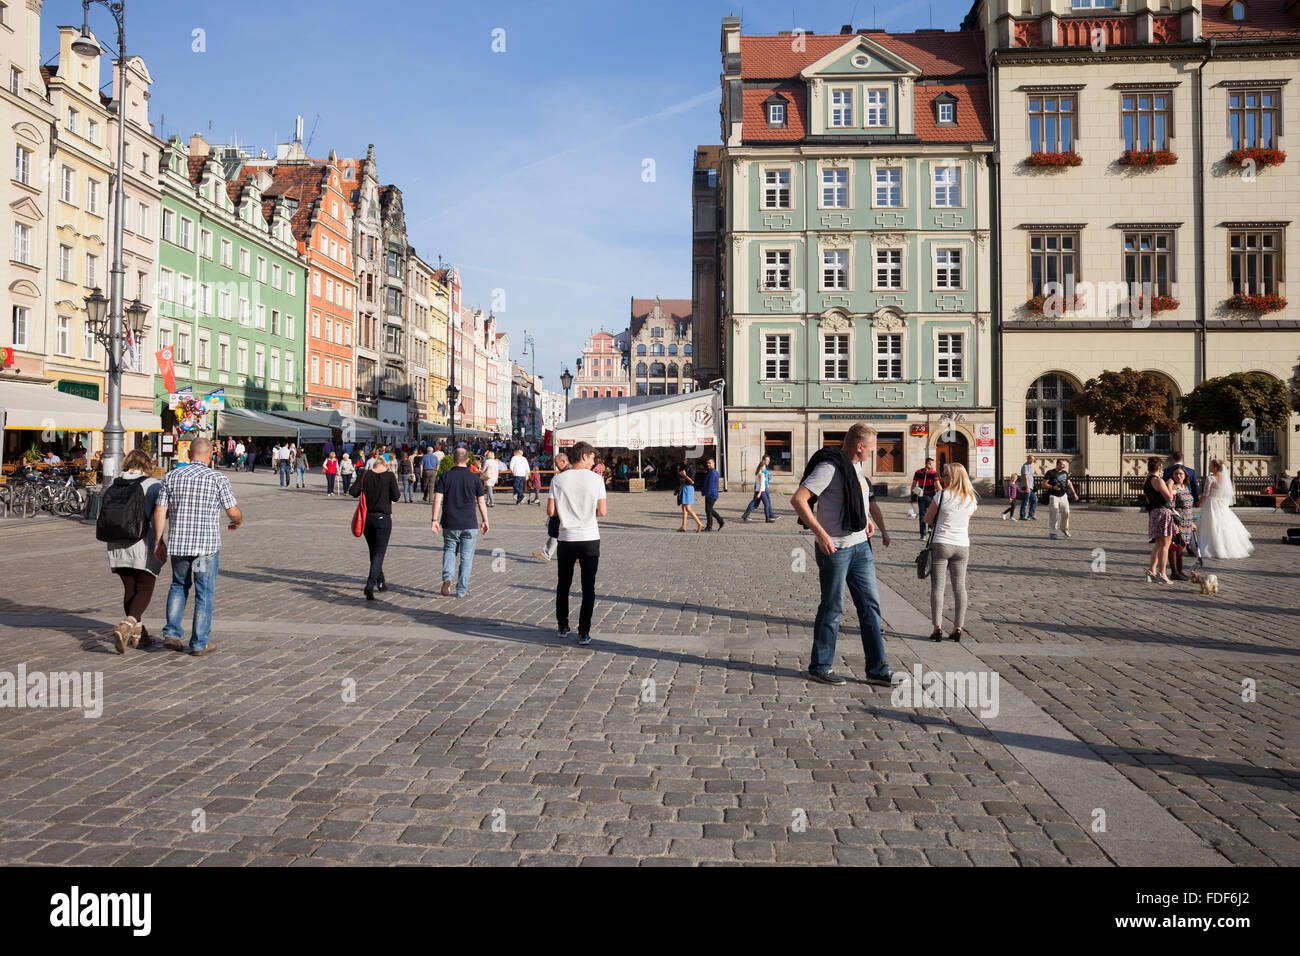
(114, 434)
(453, 393)
(566, 379)
(530, 348)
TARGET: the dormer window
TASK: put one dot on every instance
(776, 109)
(1237, 11)
(945, 109)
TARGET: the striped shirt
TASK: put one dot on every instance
(195, 497)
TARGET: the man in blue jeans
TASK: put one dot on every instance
(846, 519)
(190, 504)
(1030, 500)
(457, 495)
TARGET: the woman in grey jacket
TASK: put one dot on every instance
(134, 561)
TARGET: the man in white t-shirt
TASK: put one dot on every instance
(491, 469)
(578, 499)
(519, 471)
(843, 526)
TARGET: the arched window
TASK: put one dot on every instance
(656, 349)
(1156, 442)
(640, 369)
(1237, 11)
(687, 369)
(672, 370)
(657, 370)
(672, 350)
(1049, 427)
(686, 349)
(640, 350)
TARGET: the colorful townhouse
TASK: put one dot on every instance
(362, 188)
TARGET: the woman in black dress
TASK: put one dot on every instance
(379, 485)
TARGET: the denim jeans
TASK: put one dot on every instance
(462, 542)
(201, 572)
(284, 474)
(519, 490)
(767, 505)
(922, 506)
(1030, 500)
(408, 488)
(302, 477)
(856, 567)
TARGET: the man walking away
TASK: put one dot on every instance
(552, 522)
(577, 498)
(843, 524)
(190, 504)
(457, 495)
(1030, 500)
(926, 482)
(519, 472)
(428, 471)
(1059, 487)
(711, 481)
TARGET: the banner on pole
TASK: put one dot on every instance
(166, 367)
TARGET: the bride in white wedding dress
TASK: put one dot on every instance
(1221, 533)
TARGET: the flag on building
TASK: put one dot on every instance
(166, 368)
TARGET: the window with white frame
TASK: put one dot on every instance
(223, 354)
(329, 289)
(245, 261)
(186, 237)
(65, 264)
(889, 356)
(223, 305)
(275, 321)
(92, 130)
(290, 326)
(835, 188)
(948, 357)
(22, 243)
(227, 251)
(182, 355)
(261, 316)
(241, 357)
(261, 269)
(87, 342)
(165, 285)
(291, 286)
(776, 270)
(889, 268)
(62, 336)
(259, 362)
(835, 269)
(275, 275)
(776, 357)
(22, 165)
(947, 113)
(22, 320)
(889, 187)
(841, 108)
(92, 271)
(877, 106)
(205, 298)
(329, 374)
(68, 185)
(202, 357)
(775, 114)
(315, 369)
(205, 243)
(70, 120)
(947, 269)
(947, 186)
(169, 225)
(15, 77)
(315, 284)
(275, 364)
(186, 292)
(835, 358)
(244, 314)
(776, 189)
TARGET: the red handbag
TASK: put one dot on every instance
(359, 516)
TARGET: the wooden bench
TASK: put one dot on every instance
(1276, 501)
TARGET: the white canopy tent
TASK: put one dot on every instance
(36, 407)
(352, 426)
(249, 422)
(691, 420)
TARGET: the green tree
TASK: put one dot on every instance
(1243, 402)
(1124, 403)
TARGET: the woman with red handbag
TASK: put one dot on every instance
(376, 491)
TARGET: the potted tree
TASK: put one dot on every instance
(1230, 403)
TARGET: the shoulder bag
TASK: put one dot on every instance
(923, 560)
(359, 516)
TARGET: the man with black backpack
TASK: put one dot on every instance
(846, 519)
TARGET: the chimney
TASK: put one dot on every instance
(199, 146)
(297, 129)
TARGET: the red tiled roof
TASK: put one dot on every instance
(1265, 19)
(352, 186)
(679, 309)
(301, 182)
(754, 115)
(49, 72)
(195, 171)
(973, 121)
(938, 54)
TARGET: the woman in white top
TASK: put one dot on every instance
(949, 515)
(1221, 533)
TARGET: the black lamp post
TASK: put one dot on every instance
(113, 334)
(453, 393)
(566, 380)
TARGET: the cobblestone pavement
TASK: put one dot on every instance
(327, 729)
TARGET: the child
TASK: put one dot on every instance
(535, 485)
(1013, 492)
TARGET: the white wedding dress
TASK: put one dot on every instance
(1221, 533)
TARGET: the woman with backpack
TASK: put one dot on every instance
(126, 525)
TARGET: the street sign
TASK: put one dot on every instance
(984, 450)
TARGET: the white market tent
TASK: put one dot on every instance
(249, 422)
(675, 421)
(331, 418)
(36, 407)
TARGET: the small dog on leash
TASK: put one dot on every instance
(1209, 582)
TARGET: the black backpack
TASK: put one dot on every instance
(122, 512)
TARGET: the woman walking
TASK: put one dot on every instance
(134, 562)
(686, 496)
(406, 476)
(949, 515)
(1222, 534)
(1184, 521)
(346, 472)
(331, 469)
(1160, 520)
(300, 464)
(379, 485)
(760, 491)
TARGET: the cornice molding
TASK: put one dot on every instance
(1050, 87)
(1050, 226)
(1279, 224)
(1161, 85)
(1238, 84)
(1147, 225)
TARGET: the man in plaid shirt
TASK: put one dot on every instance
(190, 504)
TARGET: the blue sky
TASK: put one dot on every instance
(522, 167)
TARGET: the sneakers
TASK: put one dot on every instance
(1053, 535)
(1004, 517)
(886, 680)
(584, 639)
(1014, 518)
(773, 518)
(446, 587)
(827, 677)
(561, 633)
(744, 517)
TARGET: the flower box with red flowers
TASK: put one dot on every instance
(1148, 157)
(1159, 303)
(1259, 155)
(1052, 304)
(1054, 160)
(1256, 302)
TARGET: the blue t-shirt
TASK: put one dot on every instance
(461, 489)
(429, 462)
